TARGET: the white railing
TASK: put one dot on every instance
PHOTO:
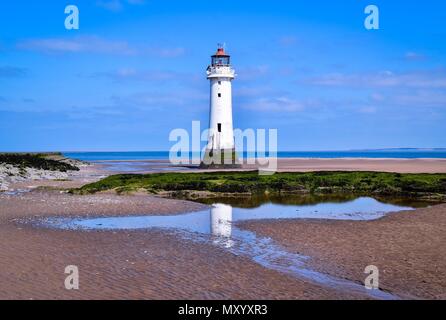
(228, 71)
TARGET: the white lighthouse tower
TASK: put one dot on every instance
(220, 151)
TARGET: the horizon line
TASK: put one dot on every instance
(141, 151)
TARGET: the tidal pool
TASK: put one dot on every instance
(139, 166)
(15, 192)
(221, 217)
(218, 226)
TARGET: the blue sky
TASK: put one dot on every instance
(135, 70)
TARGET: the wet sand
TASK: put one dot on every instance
(127, 265)
(306, 165)
(382, 165)
(295, 165)
(407, 247)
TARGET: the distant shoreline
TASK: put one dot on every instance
(321, 159)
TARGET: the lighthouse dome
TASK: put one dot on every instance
(221, 58)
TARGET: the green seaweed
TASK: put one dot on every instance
(366, 183)
(36, 161)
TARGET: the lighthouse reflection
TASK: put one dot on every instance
(221, 224)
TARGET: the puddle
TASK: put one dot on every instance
(217, 226)
(206, 221)
(138, 166)
(15, 192)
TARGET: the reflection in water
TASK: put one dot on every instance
(272, 256)
(221, 224)
(221, 216)
(258, 200)
(216, 226)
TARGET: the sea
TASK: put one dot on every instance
(366, 154)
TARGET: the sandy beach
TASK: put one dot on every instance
(381, 165)
(126, 265)
(408, 247)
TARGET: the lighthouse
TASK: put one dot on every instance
(220, 150)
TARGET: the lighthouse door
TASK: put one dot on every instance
(218, 136)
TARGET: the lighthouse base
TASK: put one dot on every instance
(220, 159)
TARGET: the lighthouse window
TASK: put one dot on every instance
(219, 95)
(219, 127)
(219, 82)
(220, 61)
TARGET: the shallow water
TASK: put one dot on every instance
(218, 227)
(15, 192)
(138, 166)
(205, 221)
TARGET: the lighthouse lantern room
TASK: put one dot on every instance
(220, 149)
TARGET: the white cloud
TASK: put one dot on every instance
(377, 97)
(117, 5)
(163, 100)
(278, 104)
(132, 74)
(94, 44)
(421, 98)
(257, 91)
(414, 56)
(420, 79)
(367, 109)
(252, 72)
(166, 52)
(288, 41)
(137, 2)
(90, 44)
(111, 5)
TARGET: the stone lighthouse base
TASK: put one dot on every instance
(220, 159)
